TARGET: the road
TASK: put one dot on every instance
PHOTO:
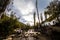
(30, 36)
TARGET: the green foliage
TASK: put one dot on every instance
(8, 25)
(53, 9)
(3, 5)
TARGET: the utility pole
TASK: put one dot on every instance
(34, 18)
(41, 17)
(37, 13)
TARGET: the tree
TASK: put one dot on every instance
(53, 10)
(3, 5)
(8, 25)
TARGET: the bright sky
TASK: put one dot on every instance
(25, 9)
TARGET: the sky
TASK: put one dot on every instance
(25, 9)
